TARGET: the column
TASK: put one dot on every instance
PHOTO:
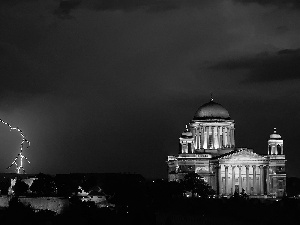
(224, 136)
(193, 130)
(226, 180)
(268, 180)
(219, 138)
(230, 143)
(207, 136)
(194, 133)
(228, 137)
(233, 179)
(261, 179)
(216, 139)
(240, 179)
(213, 137)
(202, 137)
(254, 179)
(233, 141)
(197, 138)
(247, 180)
(231, 137)
(282, 149)
(193, 147)
(219, 180)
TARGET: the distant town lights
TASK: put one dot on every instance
(20, 155)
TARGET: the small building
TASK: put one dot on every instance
(207, 147)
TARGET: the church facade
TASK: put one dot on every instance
(207, 148)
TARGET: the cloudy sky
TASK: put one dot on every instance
(108, 85)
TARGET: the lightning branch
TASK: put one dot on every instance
(20, 157)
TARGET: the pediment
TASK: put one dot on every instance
(243, 155)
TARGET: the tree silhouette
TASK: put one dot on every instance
(65, 185)
(20, 188)
(195, 184)
(4, 185)
(44, 185)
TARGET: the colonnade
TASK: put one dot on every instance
(254, 183)
(214, 137)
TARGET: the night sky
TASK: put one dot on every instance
(109, 85)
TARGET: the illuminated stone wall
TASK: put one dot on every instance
(4, 200)
(57, 205)
(54, 204)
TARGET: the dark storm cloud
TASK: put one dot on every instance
(280, 66)
(19, 74)
(25, 71)
(291, 4)
(151, 5)
(114, 84)
(14, 2)
(282, 29)
(65, 6)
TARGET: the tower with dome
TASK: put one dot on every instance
(207, 147)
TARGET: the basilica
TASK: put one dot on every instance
(207, 147)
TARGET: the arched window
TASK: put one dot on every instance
(189, 148)
(278, 149)
(270, 150)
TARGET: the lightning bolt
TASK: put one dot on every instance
(20, 154)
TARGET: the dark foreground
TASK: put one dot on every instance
(135, 200)
(163, 211)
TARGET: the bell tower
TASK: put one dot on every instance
(275, 144)
(186, 142)
(276, 171)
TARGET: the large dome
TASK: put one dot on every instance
(211, 110)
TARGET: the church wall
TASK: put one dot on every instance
(212, 181)
(278, 188)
